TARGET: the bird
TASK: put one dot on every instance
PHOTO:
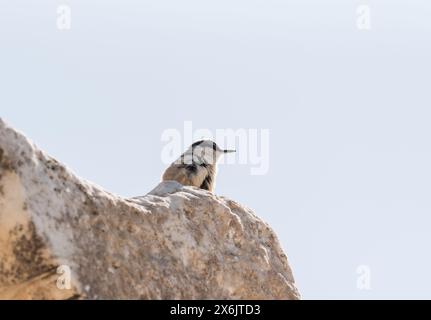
(197, 166)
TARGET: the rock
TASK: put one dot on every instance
(62, 237)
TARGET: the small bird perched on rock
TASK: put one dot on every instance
(197, 166)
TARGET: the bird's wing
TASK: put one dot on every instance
(207, 183)
(176, 173)
(198, 176)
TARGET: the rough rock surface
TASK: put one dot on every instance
(174, 243)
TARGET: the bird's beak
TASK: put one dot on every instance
(229, 151)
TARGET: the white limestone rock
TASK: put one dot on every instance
(174, 243)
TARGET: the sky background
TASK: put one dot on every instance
(348, 111)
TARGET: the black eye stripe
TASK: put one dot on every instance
(197, 143)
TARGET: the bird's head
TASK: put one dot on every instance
(206, 151)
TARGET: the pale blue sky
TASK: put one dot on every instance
(348, 111)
